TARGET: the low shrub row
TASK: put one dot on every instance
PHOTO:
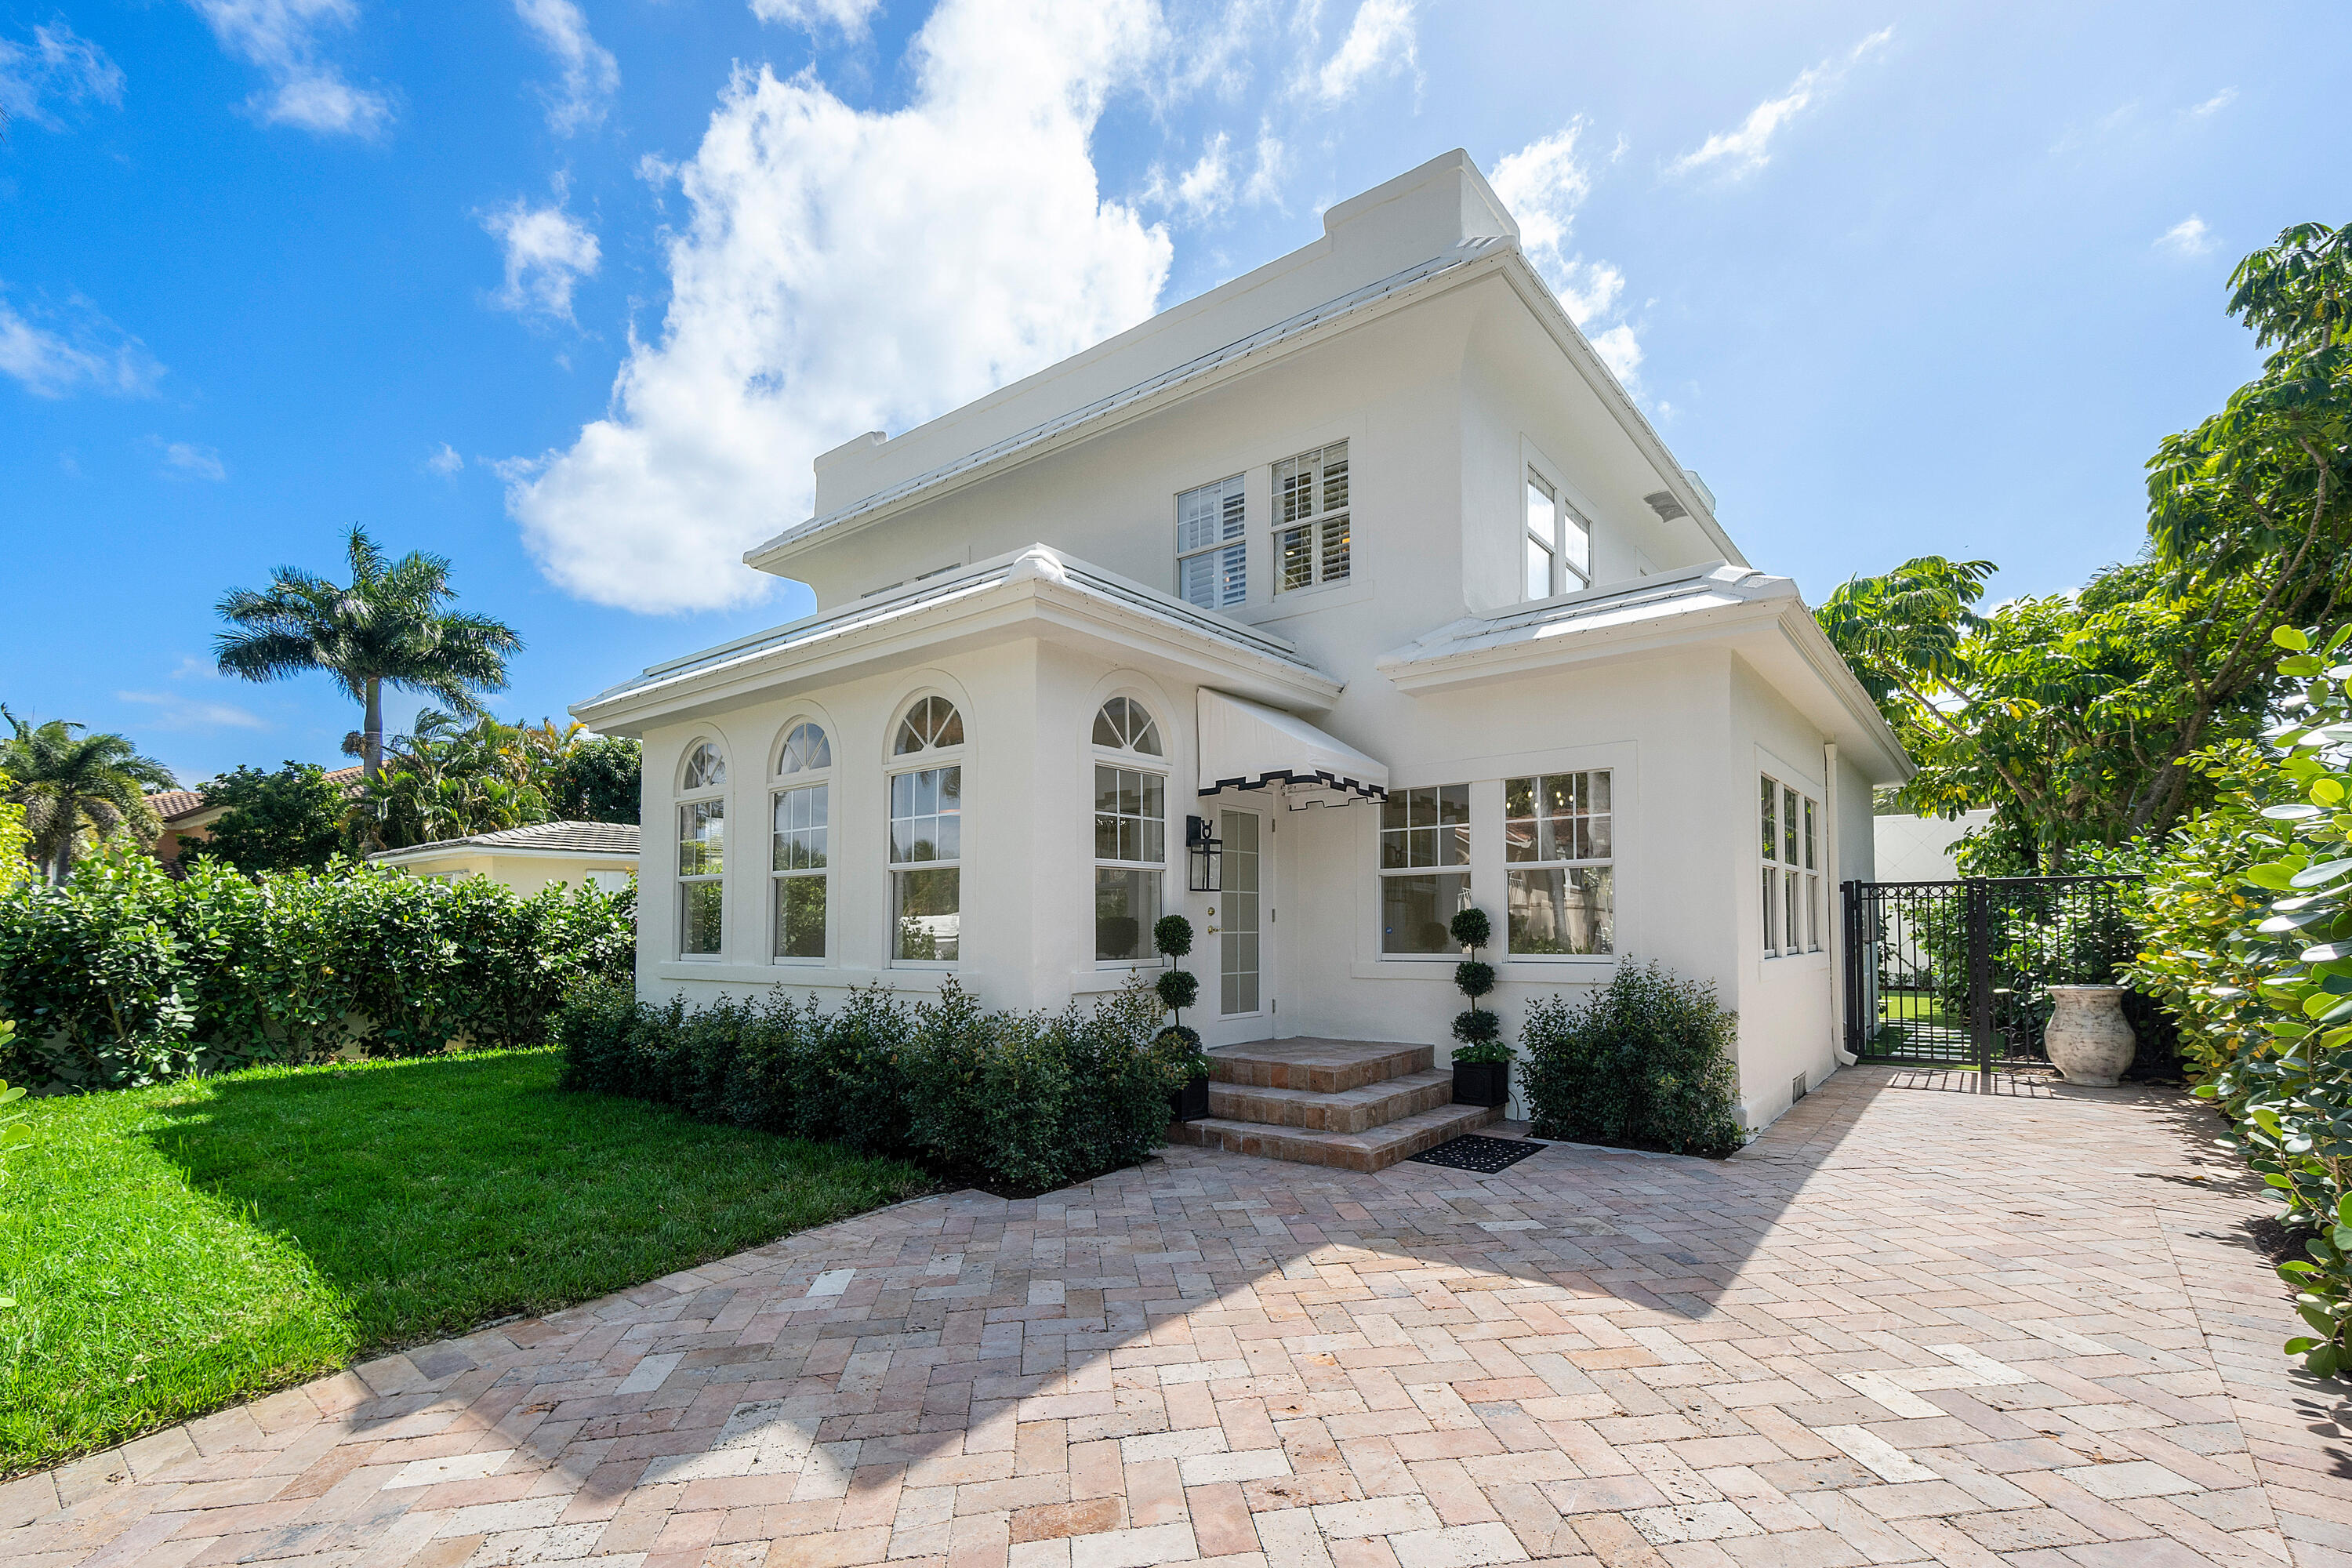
(1644, 1062)
(1016, 1101)
(125, 977)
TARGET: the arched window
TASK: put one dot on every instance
(702, 852)
(800, 843)
(929, 725)
(927, 836)
(1124, 725)
(1130, 831)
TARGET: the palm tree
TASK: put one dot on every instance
(386, 628)
(70, 783)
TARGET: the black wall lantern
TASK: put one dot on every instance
(1205, 854)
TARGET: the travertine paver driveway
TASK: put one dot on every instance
(1911, 1324)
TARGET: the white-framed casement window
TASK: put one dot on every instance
(1310, 519)
(1791, 879)
(1424, 868)
(1560, 897)
(702, 852)
(927, 835)
(1558, 541)
(800, 843)
(1212, 545)
(1130, 830)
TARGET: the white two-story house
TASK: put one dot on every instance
(1352, 592)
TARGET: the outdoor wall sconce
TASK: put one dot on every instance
(1205, 854)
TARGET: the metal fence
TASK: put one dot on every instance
(1959, 972)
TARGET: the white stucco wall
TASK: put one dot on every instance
(1919, 848)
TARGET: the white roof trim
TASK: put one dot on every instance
(1246, 745)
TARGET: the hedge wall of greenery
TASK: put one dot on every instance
(1644, 1062)
(1018, 1101)
(125, 977)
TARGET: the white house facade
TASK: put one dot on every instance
(1361, 568)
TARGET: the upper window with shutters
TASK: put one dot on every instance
(1310, 519)
(1212, 547)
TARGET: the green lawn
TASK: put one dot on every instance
(175, 1249)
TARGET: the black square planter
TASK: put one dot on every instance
(1482, 1083)
(1191, 1102)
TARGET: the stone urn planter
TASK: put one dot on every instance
(2088, 1039)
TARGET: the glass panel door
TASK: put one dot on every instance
(1240, 943)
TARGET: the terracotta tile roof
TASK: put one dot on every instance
(170, 803)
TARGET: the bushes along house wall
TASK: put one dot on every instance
(125, 977)
(1644, 1062)
(1023, 1101)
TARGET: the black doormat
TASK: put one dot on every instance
(1472, 1153)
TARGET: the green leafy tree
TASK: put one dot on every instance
(598, 780)
(15, 841)
(290, 820)
(387, 626)
(76, 787)
(452, 779)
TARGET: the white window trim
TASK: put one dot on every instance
(1616, 853)
(1773, 916)
(1224, 542)
(1568, 498)
(1315, 523)
(1382, 873)
(781, 784)
(916, 763)
(680, 799)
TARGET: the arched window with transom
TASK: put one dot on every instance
(1130, 830)
(702, 851)
(800, 846)
(927, 833)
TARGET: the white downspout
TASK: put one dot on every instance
(1835, 903)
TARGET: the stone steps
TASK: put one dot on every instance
(1357, 1105)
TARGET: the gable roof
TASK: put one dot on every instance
(171, 805)
(618, 840)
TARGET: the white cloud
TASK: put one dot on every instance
(72, 348)
(1544, 183)
(1749, 149)
(58, 67)
(177, 712)
(2189, 237)
(2215, 104)
(848, 16)
(846, 271)
(187, 460)
(1273, 161)
(1379, 42)
(1203, 190)
(547, 250)
(444, 460)
(279, 37)
(589, 73)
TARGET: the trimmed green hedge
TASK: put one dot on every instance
(1644, 1062)
(1019, 1102)
(125, 977)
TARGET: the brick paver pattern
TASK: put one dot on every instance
(1910, 1324)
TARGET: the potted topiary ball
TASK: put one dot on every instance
(1178, 1046)
(1482, 1062)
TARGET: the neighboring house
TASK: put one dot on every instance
(188, 820)
(1919, 848)
(580, 854)
(1361, 566)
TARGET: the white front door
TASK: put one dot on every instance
(1245, 996)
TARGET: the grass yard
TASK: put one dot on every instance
(176, 1249)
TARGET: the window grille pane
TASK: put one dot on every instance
(806, 750)
(1769, 903)
(800, 829)
(1565, 909)
(705, 769)
(1335, 477)
(1415, 911)
(1814, 914)
(1543, 512)
(1297, 548)
(1788, 828)
(1809, 865)
(1335, 549)
(926, 910)
(1538, 578)
(1576, 545)
(1196, 580)
(1212, 572)
(800, 916)
(702, 838)
(1294, 488)
(1127, 902)
(1772, 832)
(926, 814)
(700, 910)
(1794, 926)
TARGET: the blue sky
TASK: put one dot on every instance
(571, 291)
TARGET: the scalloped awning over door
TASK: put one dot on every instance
(1246, 745)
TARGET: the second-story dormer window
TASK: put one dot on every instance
(1558, 543)
(1211, 548)
(1311, 518)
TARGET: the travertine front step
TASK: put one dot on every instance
(1319, 1066)
(1374, 1150)
(1342, 1111)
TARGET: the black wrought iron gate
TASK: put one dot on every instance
(1956, 973)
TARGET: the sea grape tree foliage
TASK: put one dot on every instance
(125, 977)
(2247, 938)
